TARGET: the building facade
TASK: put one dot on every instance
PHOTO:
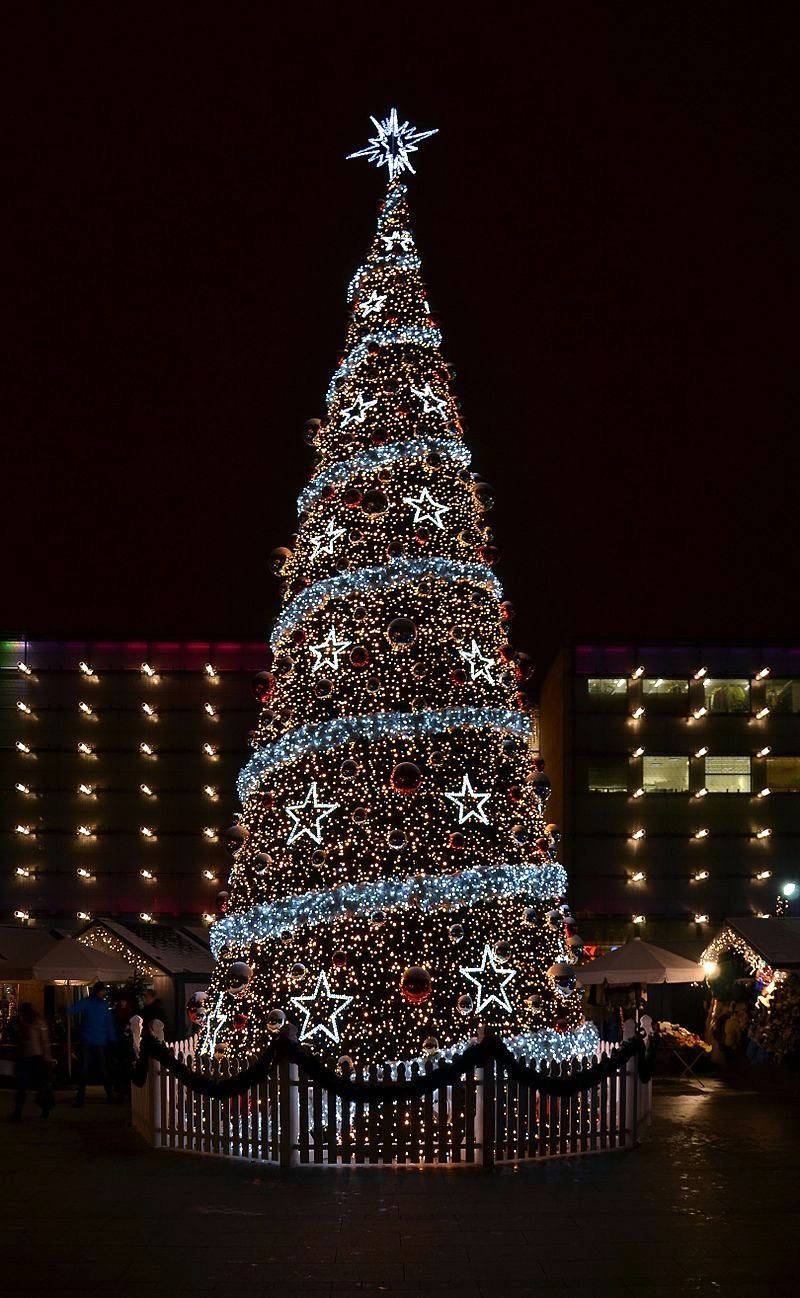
(118, 773)
(676, 784)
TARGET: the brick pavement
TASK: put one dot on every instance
(707, 1206)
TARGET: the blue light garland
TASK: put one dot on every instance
(417, 335)
(386, 577)
(269, 920)
(376, 457)
(402, 260)
(371, 729)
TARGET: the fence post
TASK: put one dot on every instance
(288, 1113)
(632, 1087)
(154, 1102)
(486, 1107)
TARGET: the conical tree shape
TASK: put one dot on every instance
(394, 886)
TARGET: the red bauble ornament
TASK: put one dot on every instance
(457, 840)
(458, 676)
(339, 959)
(352, 497)
(515, 792)
(374, 502)
(406, 777)
(488, 554)
(263, 685)
(327, 493)
(240, 1020)
(416, 985)
(359, 657)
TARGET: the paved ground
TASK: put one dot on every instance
(709, 1205)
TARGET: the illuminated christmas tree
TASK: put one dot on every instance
(394, 887)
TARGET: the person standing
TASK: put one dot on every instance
(34, 1061)
(97, 1034)
(153, 1015)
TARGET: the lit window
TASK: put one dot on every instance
(783, 774)
(728, 774)
(666, 695)
(726, 694)
(665, 774)
(607, 693)
(783, 696)
(607, 774)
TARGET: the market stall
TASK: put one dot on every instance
(631, 969)
(31, 960)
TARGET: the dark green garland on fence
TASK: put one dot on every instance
(547, 1082)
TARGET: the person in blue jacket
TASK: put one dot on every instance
(97, 1034)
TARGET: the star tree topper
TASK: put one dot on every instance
(317, 1009)
(392, 144)
(313, 810)
(491, 980)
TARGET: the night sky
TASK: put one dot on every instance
(607, 225)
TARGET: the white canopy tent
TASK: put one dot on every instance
(639, 964)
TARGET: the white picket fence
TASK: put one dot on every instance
(484, 1118)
